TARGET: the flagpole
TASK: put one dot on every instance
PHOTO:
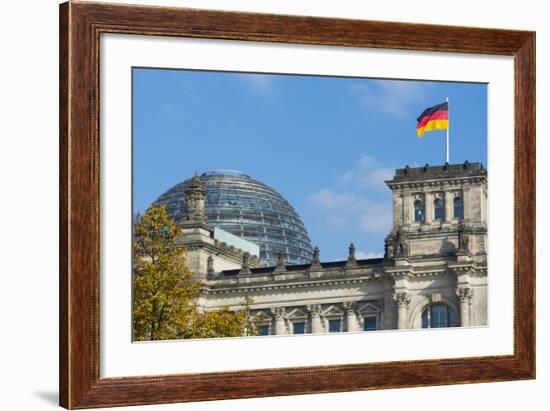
(448, 126)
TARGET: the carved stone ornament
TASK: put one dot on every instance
(402, 299)
(465, 294)
(435, 298)
(400, 245)
(210, 265)
(314, 309)
(349, 305)
(316, 262)
(351, 256)
(245, 268)
(278, 312)
(195, 195)
(463, 239)
(280, 261)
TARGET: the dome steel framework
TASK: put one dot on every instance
(249, 209)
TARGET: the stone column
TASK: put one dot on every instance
(402, 300)
(448, 206)
(351, 317)
(428, 208)
(398, 208)
(408, 208)
(278, 314)
(465, 297)
(315, 312)
(467, 202)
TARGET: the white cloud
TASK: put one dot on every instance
(368, 173)
(337, 221)
(370, 216)
(361, 255)
(349, 202)
(261, 82)
(388, 96)
(330, 199)
(378, 221)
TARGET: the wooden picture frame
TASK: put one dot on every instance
(80, 27)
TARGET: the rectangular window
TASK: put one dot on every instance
(458, 206)
(299, 328)
(439, 210)
(369, 324)
(334, 326)
(264, 329)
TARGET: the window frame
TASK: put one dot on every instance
(461, 198)
(449, 312)
(416, 202)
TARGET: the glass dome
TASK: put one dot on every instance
(249, 209)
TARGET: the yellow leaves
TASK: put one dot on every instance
(165, 293)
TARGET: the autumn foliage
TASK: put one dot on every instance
(166, 296)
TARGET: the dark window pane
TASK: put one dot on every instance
(458, 205)
(299, 328)
(453, 318)
(439, 316)
(264, 329)
(418, 211)
(334, 326)
(369, 324)
(439, 210)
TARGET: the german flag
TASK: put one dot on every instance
(433, 118)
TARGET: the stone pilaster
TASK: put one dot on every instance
(448, 206)
(408, 208)
(402, 300)
(467, 202)
(315, 313)
(428, 208)
(351, 316)
(465, 296)
(279, 316)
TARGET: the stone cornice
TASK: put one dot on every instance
(238, 288)
(237, 285)
(222, 249)
(441, 183)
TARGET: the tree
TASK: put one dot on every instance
(165, 292)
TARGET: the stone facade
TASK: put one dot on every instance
(433, 274)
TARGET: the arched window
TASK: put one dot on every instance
(439, 210)
(418, 211)
(439, 316)
(458, 207)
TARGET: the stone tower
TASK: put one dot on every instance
(438, 210)
(439, 239)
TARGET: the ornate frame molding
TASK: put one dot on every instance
(80, 27)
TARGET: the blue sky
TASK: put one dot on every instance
(325, 143)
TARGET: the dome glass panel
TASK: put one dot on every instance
(249, 209)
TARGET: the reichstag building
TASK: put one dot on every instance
(245, 240)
